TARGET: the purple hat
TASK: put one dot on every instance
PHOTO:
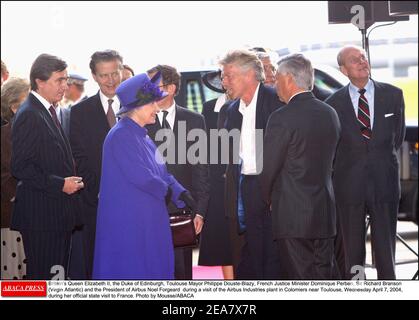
(138, 91)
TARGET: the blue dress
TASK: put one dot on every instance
(133, 237)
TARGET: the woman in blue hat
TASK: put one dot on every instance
(133, 236)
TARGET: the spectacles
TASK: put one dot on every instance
(357, 60)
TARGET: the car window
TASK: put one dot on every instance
(197, 94)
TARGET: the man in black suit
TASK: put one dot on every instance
(194, 177)
(298, 153)
(46, 205)
(366, 170)
(247, 116)
(90, 122)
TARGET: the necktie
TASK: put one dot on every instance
(57, 123)
(364, 115)
(110, 115)
(54, 116)
(165, 123)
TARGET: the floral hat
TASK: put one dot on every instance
(139, 91)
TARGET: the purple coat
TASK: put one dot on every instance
(133, 237)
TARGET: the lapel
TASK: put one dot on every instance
(46, 115)
(57, 132)
(379, 110)
(100, 113)
(260, 108)
(349, 115)
(179, 116)
(235, 115)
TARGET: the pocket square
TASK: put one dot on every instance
(388, 115)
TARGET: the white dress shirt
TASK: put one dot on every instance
(369, 94)
(247, 151)
(170, 116)
(115, 104)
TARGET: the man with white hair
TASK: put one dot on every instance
(298, 152)
(242, 77)
(366, 173)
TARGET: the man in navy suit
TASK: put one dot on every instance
(46, 205)
(90, 122)
(249, 215)
(298, 153)
(366, 169)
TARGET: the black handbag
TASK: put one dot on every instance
(183, 229)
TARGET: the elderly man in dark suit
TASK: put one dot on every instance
(298, 152)
(46, 204)
(249, 215)
(366, 174)
(90, 122)
(193, 176)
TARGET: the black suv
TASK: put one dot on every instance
(193, 93)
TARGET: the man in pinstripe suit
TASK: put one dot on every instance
(298, 153)
(46, 203)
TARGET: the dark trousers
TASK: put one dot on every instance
(183, 263)
(77, 269)
(306, 259)
(259, 259)
(340, 268)
(89, 236)
(47, 254)
(383, 237)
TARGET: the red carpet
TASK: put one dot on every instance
(204, 273)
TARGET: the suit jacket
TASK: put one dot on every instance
(41, 159)
(8, 182)
(356, 160)
(267, 102)
(88, 129)
(65, 121)
(299, 149)
(194, 177)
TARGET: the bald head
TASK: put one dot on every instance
(353, 63)
(345, 51)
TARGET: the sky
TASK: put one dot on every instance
(187, 35)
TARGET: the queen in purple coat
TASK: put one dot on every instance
(133, 237)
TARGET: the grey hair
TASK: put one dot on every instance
(245, 60)
(300, 68)
(340, 54)
(127, 114)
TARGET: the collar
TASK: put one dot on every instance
(221, 100)
(294, 95)
(170, 110)
(134, 125)
(104, 100)
(354, 89)
(41, 99)
(242, 106)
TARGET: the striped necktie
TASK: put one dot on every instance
(364, 115)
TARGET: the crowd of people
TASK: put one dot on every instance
(84, 186)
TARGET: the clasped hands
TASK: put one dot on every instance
(72, 184)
